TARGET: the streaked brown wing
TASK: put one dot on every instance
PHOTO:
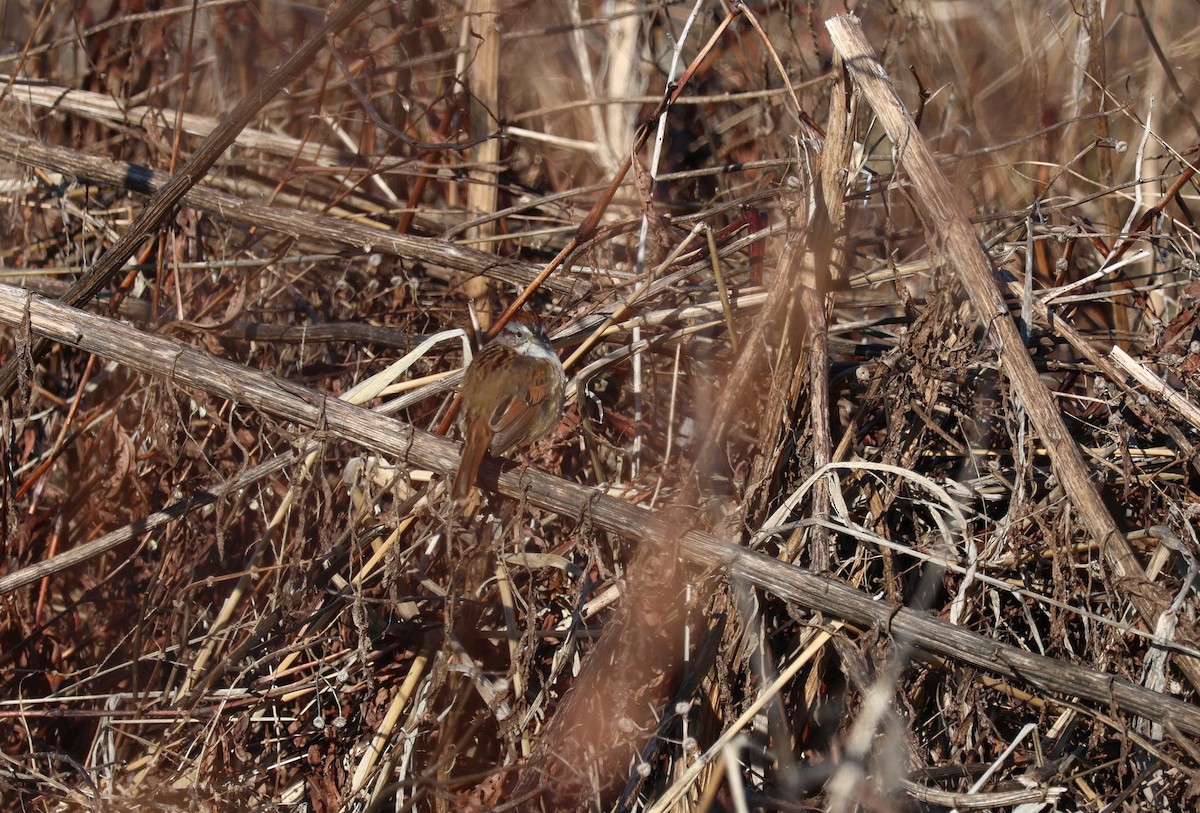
(515, 417)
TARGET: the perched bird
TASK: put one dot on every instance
(512, 394)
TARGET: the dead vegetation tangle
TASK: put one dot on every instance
(876, 487)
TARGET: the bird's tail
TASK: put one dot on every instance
(478, 438)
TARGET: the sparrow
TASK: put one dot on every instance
(512, 394)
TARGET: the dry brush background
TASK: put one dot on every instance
(819, 531)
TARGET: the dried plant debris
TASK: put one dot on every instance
(876, 482)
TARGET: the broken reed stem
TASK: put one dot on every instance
(189, 367)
